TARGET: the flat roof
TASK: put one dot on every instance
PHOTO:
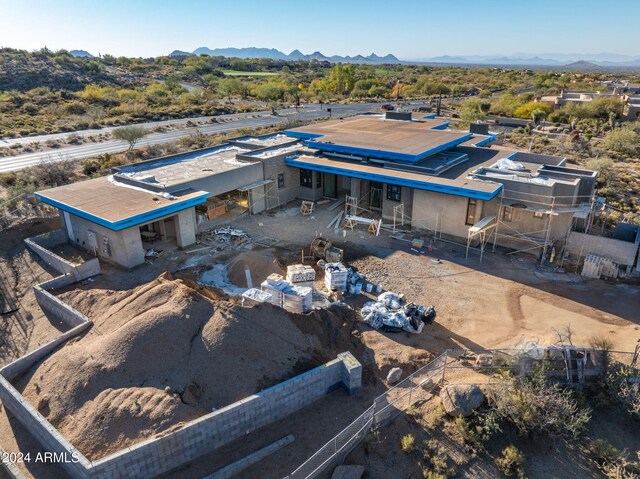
(178, 169)
(374, 136)
(114, 205)
(458, 184)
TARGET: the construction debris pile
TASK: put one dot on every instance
(390, 314)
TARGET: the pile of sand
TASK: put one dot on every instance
(160, 355)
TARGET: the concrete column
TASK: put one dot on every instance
(185, 222)
(162, 229)
(351, 372)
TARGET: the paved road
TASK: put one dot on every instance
(225, 123)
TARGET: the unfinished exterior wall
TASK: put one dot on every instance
(621, 252)
(406, 198)
(446, 213)
(123, 247)
(185, 224)
(272, 168)
(315, 192)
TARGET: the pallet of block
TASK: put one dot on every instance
(254, 296)
(335, 276)
(297, 299)
(301, 275)
(275, 285)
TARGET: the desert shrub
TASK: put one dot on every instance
(603, 451)
(533, 405)
(437, 464)
(511, 462)
(622, 140)
(434, 418)
(476, 429)
(407, 443)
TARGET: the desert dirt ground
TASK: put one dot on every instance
(505, 301)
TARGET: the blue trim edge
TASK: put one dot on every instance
(132, 220)
(420, 185)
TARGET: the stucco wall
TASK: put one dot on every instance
(447, 213)
(125, 245)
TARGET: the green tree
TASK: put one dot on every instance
(131, 134)
(341, 79)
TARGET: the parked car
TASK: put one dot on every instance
(388, 107)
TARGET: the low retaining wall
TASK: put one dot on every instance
(42, 430)
(22, 364)
(218, 428)
(80, 271)
(155, 456)
(54, 308)
(621, 252)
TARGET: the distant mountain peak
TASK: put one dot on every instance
(295, 55)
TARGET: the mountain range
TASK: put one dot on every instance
(273, 54)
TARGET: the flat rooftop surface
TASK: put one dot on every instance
(102, 199)
(186, 167)
(372, 132)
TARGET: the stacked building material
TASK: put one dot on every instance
(301, 275)
(255, 296)
(275, 285)
(297, 299)
(335, 276)
(597, 266)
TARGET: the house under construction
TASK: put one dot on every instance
(405, 169)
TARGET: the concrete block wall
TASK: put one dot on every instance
(80, 271)
(216, 429)
(621, 252)
(23, 363)
(42, 430)
(57, 309)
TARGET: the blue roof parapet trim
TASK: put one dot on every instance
(132, 220)
(301, 135)
(383, 178)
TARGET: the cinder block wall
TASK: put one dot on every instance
(621, 252)
(42, 430)
(227, 424)
(79, 272)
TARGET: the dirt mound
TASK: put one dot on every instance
(262, 263)
(162, 343)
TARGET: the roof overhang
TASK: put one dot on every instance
(400, 178)
(131, 221)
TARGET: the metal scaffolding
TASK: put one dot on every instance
(550, 207)
(480, 230)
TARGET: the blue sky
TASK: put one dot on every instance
(409, 29)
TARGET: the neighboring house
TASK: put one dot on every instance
(629, 98)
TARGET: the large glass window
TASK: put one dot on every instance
(306, 178)
(394, 193)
